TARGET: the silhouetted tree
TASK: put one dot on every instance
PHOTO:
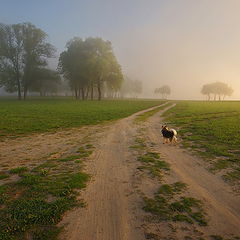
(131, 87)
(23, 49)
(207, 89)
(36, 51)
(88, 64)
(219, 89)
(45, 81)
(11, 57)
(164, 90)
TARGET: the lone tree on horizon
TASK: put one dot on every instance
(164, 90)
(219, 89)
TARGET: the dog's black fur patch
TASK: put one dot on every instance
(167, 133)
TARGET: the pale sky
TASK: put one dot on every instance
(182, 43)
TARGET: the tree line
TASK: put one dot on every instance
(216, 90)
(165, 90)
(89, 65)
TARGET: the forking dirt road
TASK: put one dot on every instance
(113, 196)
(114, 206)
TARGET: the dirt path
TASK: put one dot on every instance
(113, 206)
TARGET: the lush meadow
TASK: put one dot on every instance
(21, 117)
(211, 129)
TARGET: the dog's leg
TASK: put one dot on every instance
(175, 140)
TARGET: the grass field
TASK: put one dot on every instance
(19, 117)
(212, 129)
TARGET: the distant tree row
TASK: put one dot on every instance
(88, 66)
(165, 90)
(216, 89)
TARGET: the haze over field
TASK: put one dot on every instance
(182, 43)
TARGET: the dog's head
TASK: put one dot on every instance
(164, 127)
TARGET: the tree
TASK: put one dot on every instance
(23, 49)
(131, 87)
(45, 81)
(137, 88)
(11, 57)
(88, 64)
(114, 79)
(103, 63)
(36, 50)
(164, 90)
(207, 90)
(219, 89)
(73, 65)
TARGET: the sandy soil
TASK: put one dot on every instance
(114, 205)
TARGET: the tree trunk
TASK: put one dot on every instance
(83, 94)
(19, 88)
(92, 91)
(79, 92)
(99, 92)
(75, 91)
(25, 93)
(18, 81)
(86, 96)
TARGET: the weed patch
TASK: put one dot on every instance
(34, 204)
(3, 176)
(152, 163)
(18, 170)
(167, 205)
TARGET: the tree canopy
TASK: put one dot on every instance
(131, 87)
(219, 89)
(164, 91)
(88, 64)
(23, 50)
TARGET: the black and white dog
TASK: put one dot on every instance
(169, 135)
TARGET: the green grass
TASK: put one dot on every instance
(139, 144)
(31, 207)
(144, 116)
(25, 117)
(3, 176)
(211, 129)
(169, 205)
(152, 163)
(18, 170)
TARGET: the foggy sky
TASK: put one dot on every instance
(182, 43)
